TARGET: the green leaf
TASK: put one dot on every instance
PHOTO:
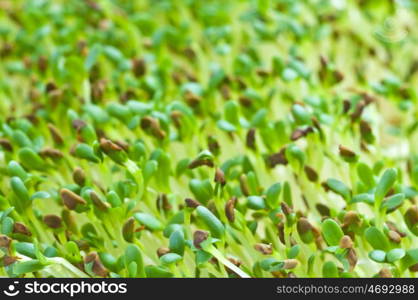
(114, 199)
(226, 126)
(108, 260)
(332, 232)
(271, 264)
(15, 169)
(301, 115)
(393, 202)
(73, 252)
(293, 252)
(149, 221)
(289, 74)
(256, 202)
(287, 194)
(119, 111)
(294, 153)
(365, 174)
(259, 119)
(133, 254)
(365, 198)
(272, 195)
(385, 184)
(21, 139)
(150, 169)
(377, 255)
(202, 257)
(231, 112)
(40, 195)
(20, 190)
(339, 188)
(29, 266)
(177, 242)
(330, 270)
(30, 159)
(84, 151)
(27, 249)
(215, 226)
(169, 229)
(376, 239)
(410, 258)
(395, 254)
(157, 272)
(170, 258)
(91, 59)
(201, 189)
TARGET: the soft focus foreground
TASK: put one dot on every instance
(267, 138)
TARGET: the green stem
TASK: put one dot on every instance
(219, 256)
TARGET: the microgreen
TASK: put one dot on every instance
(208, 139)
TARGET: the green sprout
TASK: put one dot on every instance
(201, 139)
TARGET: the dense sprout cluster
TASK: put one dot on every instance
(263, 138)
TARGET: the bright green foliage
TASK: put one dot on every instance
(194, 138)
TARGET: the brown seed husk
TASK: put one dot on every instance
(192, 203)
(79, 176)
(244, 185)
(78, 124)
(323, 210)
(98, 202)
(290, 264)
(139, 67)
(229, 209)
(55, 134)
(393, 227)
(51, 153)
(176, 116)
(413, 268)
(280, 229)
(5, 241)
(351, 217)
(108, 146)
(8, 260)
(250, 138)
(300, 133)
(303, 226)
(162, 251)
(21, 229)
(220, 177)
(98, 268)
(394, 236)
(345, 152)
(163, 203)
(352, 258)
(412, 214)
(265, 249)
(311, 174)
(152, 124)
(199, 236)
(358, 110)
(6, 145)
(234, 261)
(278, 158)
(200, 162)
(286, 209)
(71, 199)
(53, 221)
(346, 242)
(385, 273)
(128, 229)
